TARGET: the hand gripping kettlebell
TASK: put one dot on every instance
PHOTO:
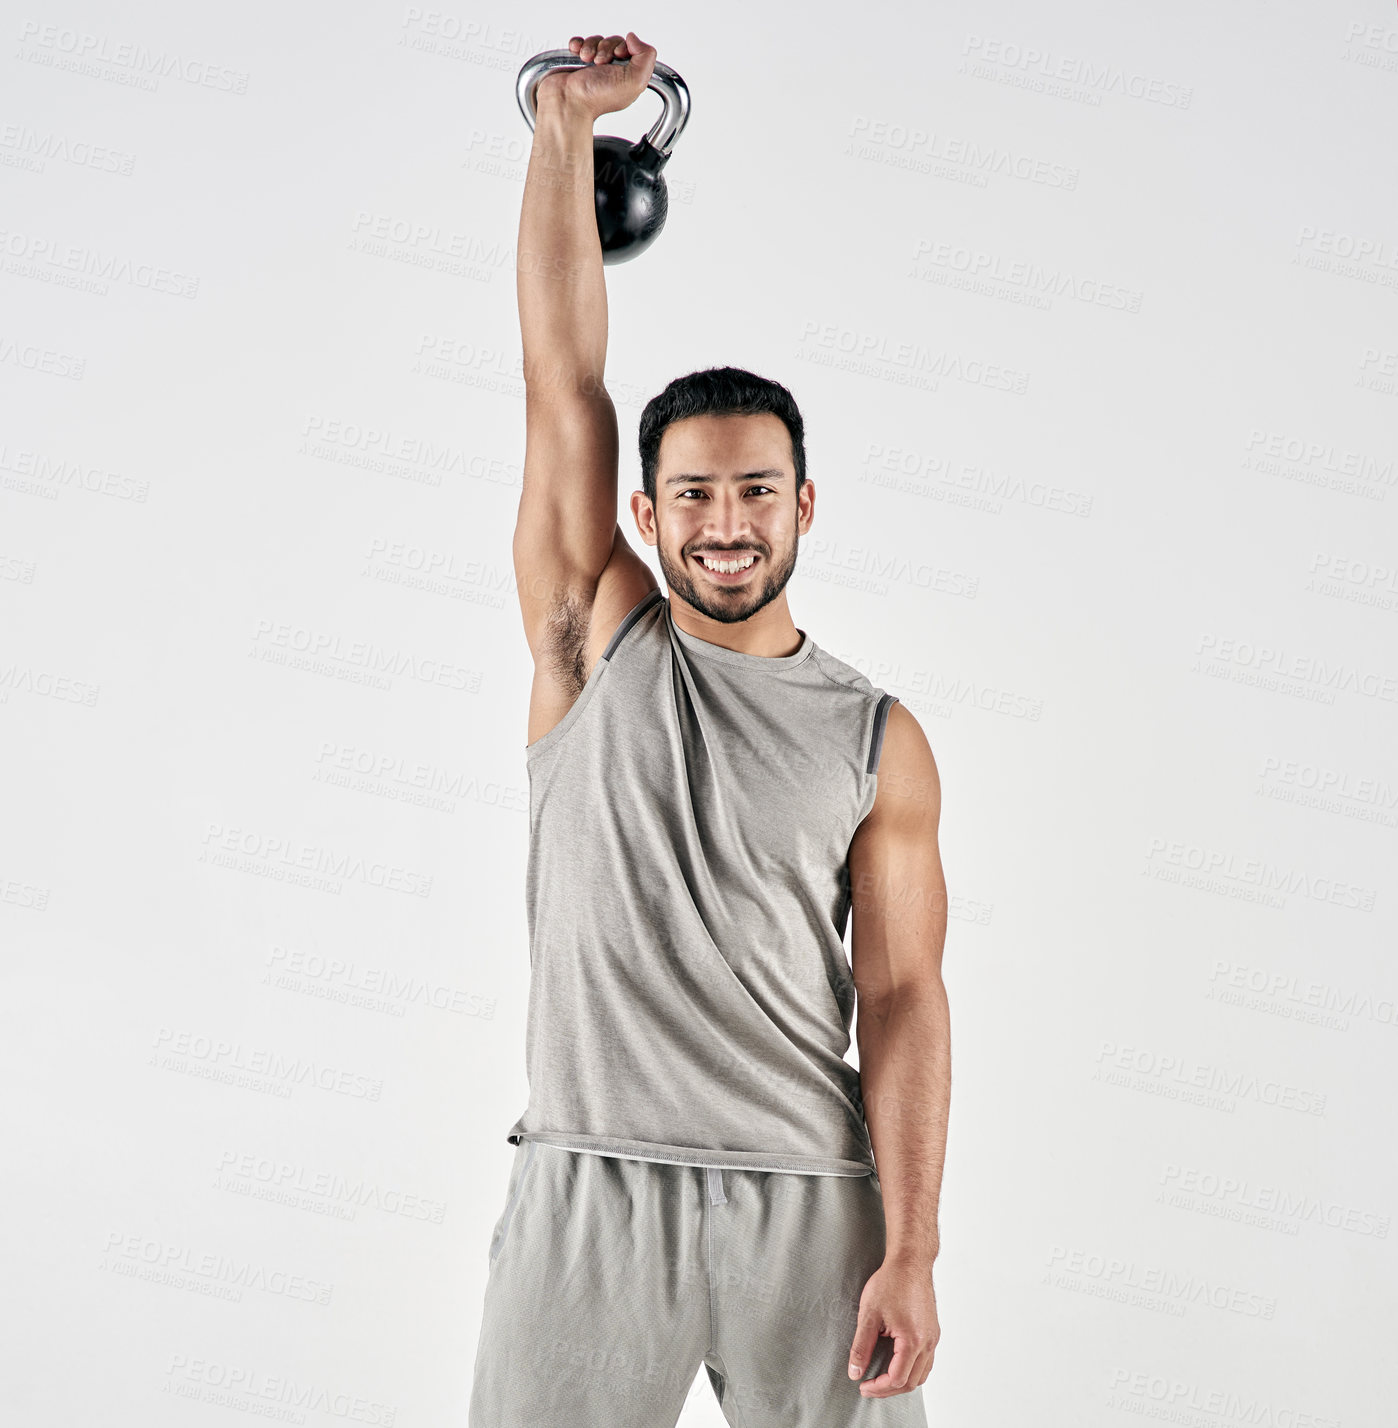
(632, 201)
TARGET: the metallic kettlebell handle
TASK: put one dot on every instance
(666, 83)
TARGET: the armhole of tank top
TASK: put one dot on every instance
(886, 701)
(550, 740)
(629, 619)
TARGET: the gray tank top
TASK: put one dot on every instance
(687, 893)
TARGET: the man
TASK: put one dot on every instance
(711, 795)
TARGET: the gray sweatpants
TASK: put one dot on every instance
(612, 1280)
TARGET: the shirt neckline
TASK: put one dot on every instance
(739, 657)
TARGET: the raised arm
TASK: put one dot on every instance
(573, 567)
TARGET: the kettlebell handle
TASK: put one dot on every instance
(666, 83)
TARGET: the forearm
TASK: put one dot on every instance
(561, 290)
(905, 1078)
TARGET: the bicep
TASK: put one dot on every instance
(565, 531)
(898, 895)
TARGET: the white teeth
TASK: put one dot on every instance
(728, 567)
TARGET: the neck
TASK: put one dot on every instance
(770, 632)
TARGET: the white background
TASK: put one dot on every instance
(1090, 310)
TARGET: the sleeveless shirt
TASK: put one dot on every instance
(687, 894)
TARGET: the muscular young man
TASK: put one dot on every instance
(700, 1176)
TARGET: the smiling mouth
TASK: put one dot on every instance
(738, 563)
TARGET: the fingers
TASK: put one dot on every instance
(884, 1385)
(600, 49)
(866, 1335)
(894, 1379)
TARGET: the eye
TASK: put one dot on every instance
(699, 491)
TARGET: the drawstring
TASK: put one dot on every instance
(716, 1195)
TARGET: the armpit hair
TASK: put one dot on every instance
(565, 642)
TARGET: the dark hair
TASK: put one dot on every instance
(718, 391)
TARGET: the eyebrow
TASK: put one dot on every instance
(772, 475)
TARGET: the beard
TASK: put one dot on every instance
(730, 604)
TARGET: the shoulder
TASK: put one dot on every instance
(626, 591)
(838, 672)
(910, 786)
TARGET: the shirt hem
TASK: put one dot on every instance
(694, 1155)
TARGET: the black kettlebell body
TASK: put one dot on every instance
(632, 200)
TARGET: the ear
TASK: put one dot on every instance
(805, 506)
(643, 513)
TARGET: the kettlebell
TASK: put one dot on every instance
(629, 188)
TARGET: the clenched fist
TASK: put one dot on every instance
(601, 87)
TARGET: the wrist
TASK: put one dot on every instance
(561, 102)
(919, 1257)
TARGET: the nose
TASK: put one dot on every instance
(727, 524)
